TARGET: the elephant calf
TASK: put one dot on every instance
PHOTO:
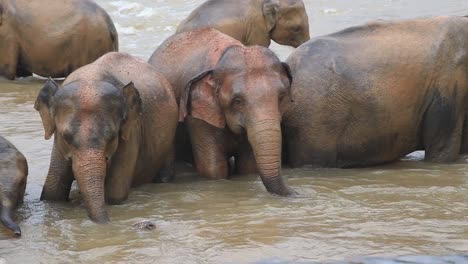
(372, 94)
(13, 178)
(52, 38)
(253, 22)
(114, 123)
(231, 99)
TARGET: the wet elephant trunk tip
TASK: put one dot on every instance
(277, 186)
(265, 139)
(9, 223)
(101, 219)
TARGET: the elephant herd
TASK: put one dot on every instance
(214, 95)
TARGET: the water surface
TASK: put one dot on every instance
(411, 207)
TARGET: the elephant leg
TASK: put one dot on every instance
(208, 149)
(121, 172)
(306, 147)
(22, 72)
(117, 187)
(9, 59)
(442, 136)
(245, 160)
(59, 178)
(183, 147)
(464, 144)
(167, 172)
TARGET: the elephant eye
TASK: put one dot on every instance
(296, 29)
(68, 138)
(282, 95)
(112, 136)
(236, 101)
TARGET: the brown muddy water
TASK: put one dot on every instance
(411, 207)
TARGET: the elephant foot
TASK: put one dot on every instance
(115, 200)
(165, 175)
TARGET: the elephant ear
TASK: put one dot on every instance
(200, 100)
(133, 110)
(287, 70)
(43, 104)
(270, 13)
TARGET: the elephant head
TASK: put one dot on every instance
(89, 120)
(287, 21)
(247, 91)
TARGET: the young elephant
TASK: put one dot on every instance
(52, 38)
(114, 123)
(13, 178)
(235, 96)
(372, 94)
(253, 22)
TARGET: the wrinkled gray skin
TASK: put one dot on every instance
(113, 123)
(51, 37)
(253, 22)
(231, 99)
(372, 94)
(13, 178)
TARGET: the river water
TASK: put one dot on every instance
(411, 207)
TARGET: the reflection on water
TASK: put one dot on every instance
(411, 207)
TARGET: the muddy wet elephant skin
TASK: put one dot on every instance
(231, 97)
(253, 22)
(114, 123)
(52, 38)
(13, 178)
(372, 94)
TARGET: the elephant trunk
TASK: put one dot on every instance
(265, 138)
(89, 168)
(5, 216)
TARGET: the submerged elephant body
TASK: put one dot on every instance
(114, 123)
(52, 38)
(253, 22)
(13, 178)
(230, 98)
(372, 94)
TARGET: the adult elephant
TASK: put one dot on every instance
(13, 178)
(114, 123)
(234, 97)
(52, 38)
(374, 93)
(253, 22)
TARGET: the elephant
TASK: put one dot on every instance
(253, 22)
(52, 38)
(371, 94)
(231, 99)
(113, 123)
(13, 178)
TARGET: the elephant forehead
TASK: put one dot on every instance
(260, 58)
(97, 94)
(251, 59)
(293, 3)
